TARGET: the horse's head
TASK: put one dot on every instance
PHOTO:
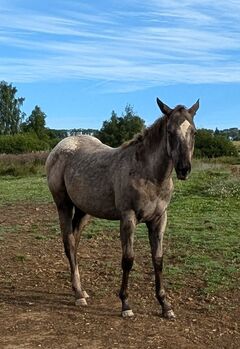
(180, 136)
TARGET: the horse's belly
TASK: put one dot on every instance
(100, 212)
(95, 202)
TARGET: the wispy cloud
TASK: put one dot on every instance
(126, 46)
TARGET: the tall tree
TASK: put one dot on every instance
(109, 132)
(36, 122)
(118, 130)
(130, 124)
(11, 115)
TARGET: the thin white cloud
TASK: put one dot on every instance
(127, 47)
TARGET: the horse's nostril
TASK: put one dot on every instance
(185, 171)
(182, 172)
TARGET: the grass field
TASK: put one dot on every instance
(202, 238)
(202, 262)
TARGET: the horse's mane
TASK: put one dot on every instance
(153, 133)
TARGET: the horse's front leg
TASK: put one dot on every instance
(156, 229)
(127, 226)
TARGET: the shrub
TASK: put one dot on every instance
(22, 143)
(22, 164)
(209, 145)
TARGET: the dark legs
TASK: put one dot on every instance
(127, 226)
(156, 230)
(71, 227)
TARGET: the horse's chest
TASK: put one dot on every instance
(151, 199)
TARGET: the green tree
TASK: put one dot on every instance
(11, 115)
(231, 133)
(118, 130)
(109, 132)
(57, 134)
(211, 145)
(36, 123)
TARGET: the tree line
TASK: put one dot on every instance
(20, 133)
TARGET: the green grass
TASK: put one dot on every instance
(4, 231)
(23, 189)
(203, 230)
(202, 238)
(102, 226)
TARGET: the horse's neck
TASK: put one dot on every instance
(164, 166)
(159, 165)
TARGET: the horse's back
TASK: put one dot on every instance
(69, 147)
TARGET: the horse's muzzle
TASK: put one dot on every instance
(183, 172)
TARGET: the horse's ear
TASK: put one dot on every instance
(163, 107)
(194, 108)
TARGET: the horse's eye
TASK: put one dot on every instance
(193, 132)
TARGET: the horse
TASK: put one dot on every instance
(131, 183)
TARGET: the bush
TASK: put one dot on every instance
(22, 143)
(210, 145)
(22, 164)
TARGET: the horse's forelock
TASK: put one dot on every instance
(178, 108)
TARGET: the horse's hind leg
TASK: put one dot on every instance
(70, 228)
(80, 219)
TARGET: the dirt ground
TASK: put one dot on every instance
(37, 305)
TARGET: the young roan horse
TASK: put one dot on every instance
(131, 183)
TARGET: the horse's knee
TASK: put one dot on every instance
(130, 224)
(128, 221)
(127, 263)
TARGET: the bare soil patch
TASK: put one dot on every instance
(37, 306)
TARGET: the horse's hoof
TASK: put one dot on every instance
(85, 295)
(169, 315)
(127, 313)
(81, 301)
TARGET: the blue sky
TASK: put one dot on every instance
(79, 60)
